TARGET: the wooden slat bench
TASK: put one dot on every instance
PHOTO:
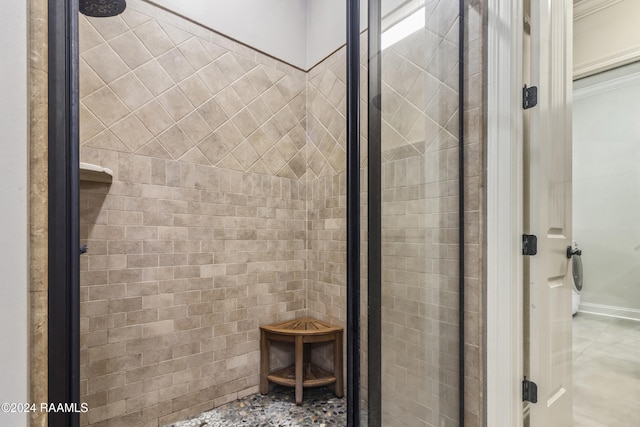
(301, 332)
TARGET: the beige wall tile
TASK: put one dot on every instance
(105, 62)
(195, 89)
(154, 77)
(129, 48)
(131, 91)
(196, 257)
(195, 53)
(176, 65)
(105, 105)
(154, 38)
(131, 132)
(90, 37)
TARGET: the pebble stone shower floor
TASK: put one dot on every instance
(320, 408)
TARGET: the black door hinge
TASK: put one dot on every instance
(529, 391)
(529, 244)
(529, 97)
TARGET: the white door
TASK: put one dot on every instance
(547, 210)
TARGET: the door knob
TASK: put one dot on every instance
(571, 252)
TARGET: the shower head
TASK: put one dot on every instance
(102, 8)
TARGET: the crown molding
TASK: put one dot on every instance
(606, 63)
(584, 8)
(607, 86)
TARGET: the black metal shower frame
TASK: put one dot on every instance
(63, 222)
(63, 211)
(353, 212)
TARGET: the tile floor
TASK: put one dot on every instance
(606, 371)
(320, 408)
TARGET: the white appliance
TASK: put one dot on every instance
(576, 260)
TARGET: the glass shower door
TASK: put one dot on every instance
(419, 151)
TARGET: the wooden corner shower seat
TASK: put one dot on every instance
(302, 333)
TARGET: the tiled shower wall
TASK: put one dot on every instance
(201, 236)
(326, 130)
(327, 186)
(326, 197)
(227, 211)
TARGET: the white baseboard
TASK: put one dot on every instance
(610, 310)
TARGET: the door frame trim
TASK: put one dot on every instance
(504, 175)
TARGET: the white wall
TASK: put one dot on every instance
(605, 34)
(276, 27)
(606, 185)
(13, 214)
(299, 32)
(327, 27)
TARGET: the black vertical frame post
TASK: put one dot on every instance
(461, 198)
(353, 213)
(64, 230)
(374, 215)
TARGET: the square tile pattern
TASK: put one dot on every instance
(154, 85)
